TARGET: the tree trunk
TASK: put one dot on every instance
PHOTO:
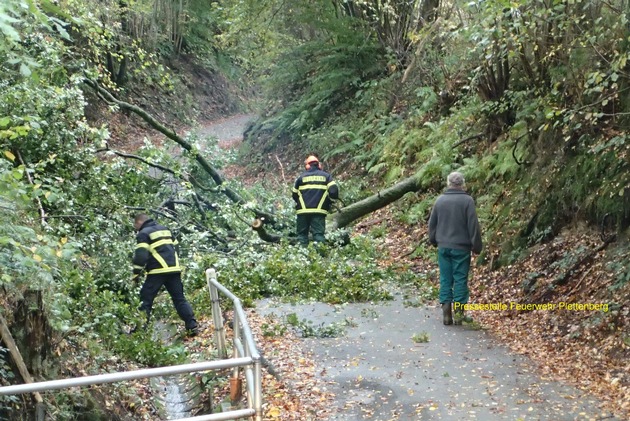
(34, 340)
(368, 205)
(7, 338)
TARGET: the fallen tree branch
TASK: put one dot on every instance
(348, 214)
(259, 226)
(514, 150)
(171, 134)
(139, 158)
(189, 178)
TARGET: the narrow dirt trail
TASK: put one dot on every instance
(229, 131)
(376, 371)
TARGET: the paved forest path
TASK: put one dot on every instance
(378, 372)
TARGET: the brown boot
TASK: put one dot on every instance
(447, 314)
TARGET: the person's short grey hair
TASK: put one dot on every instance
(455, 180)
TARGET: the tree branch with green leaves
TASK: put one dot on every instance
(171, 134)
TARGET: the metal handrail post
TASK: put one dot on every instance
(217, 317)
(258, 388)
(236, 331)
(243, 343)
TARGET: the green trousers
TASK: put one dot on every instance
(454, 266)
(311, 222)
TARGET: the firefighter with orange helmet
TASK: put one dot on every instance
(313, 193)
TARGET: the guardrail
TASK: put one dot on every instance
(245, 355)
(243, 346)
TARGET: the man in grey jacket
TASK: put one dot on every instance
(454, 229)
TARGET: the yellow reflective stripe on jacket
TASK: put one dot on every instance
(313, 186)
(158, 234)
(313, 178)
(322, 211)
(161, 243)
(159, 258)
(332, 183)
(322, 200)
(164, 270)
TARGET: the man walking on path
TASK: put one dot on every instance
(454, 229)
(155, 254)
(313, 193)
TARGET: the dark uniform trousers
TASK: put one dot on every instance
(313, 222)
(173, 283)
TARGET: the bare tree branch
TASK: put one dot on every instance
(469, 138)
(284, 180)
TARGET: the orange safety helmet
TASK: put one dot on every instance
(310, 160)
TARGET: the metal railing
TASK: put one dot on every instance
(243, 345)
(245, 355)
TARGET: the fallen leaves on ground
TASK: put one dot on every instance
(292, 390)
(587, 349)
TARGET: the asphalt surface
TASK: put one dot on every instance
(381, 370)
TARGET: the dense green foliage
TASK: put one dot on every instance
(348, 274)
(528, 99)
(66, 201)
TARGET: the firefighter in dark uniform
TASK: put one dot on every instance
(155, 254)
(313, 193)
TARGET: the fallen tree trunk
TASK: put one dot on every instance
(259, 226)
(368, 205)
(7, 338)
